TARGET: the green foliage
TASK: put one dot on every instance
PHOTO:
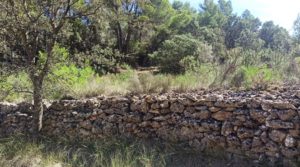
(176, 49)
(275, 37)
(190, 63)
(105, 60)
(242, 31)
(110, 84)
(61, 54)
(62, 80)
(259, 77)
(249, 40)
(180, 21)
(5, 87)
(297, 29)
(16, 87)
(211, 15)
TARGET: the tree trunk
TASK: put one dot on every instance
(119, 34)
(37, 104)
(127, 40)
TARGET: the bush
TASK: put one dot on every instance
(102, 60)
(292, 71)
(173, 52)
(190, 63)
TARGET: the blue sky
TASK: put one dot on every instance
(282, 12)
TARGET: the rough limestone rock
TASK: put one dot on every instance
(277, 135)
(257, 145)
(290, 152)
(266, 105)
(201, 115)
(233, 141)
(177, 107)
(283, 105)
(245, 133)
(227, 129)
(290, 141)
(257, 115)
(221, 115)
(286, 115)
(214, 109)
(277, 124)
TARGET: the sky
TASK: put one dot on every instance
(281, 12)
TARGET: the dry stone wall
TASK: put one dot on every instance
(253, 123)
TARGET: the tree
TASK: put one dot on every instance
(126, 24)
(30, 30)
(165, 21)
(225, 7)
(249, 40)
(250, 22)
(177, 5)
(275, 37)
(212, 19)
(233, 29)
(211, 15)
(297, 29)
(238, 26)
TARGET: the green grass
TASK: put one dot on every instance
(20, 151)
